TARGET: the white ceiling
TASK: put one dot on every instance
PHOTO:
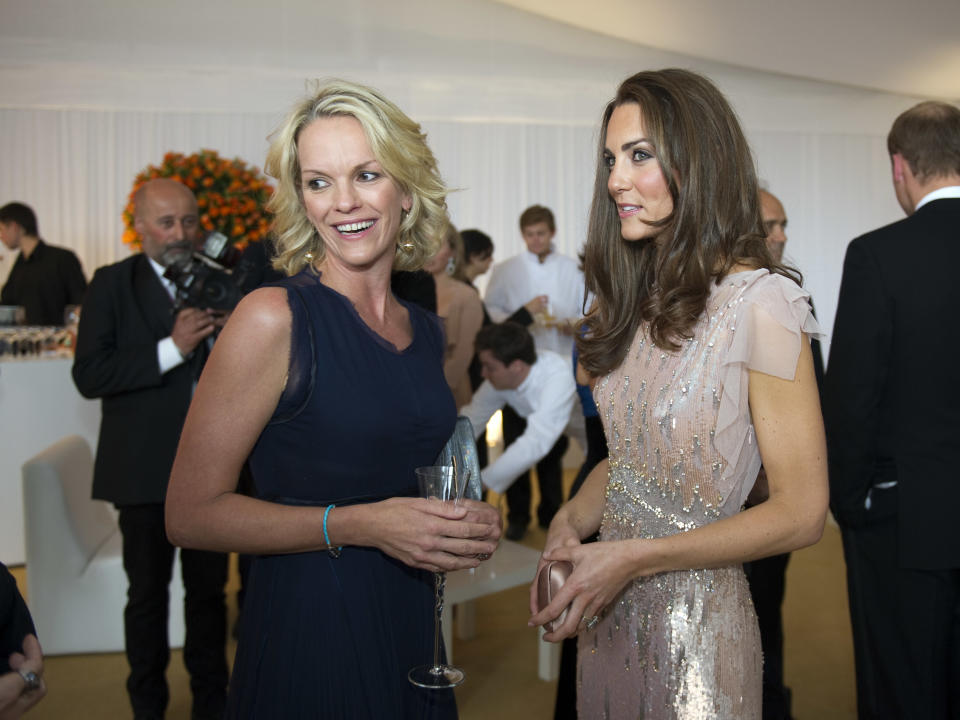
(910, 48)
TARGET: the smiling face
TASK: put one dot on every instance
(355, 207)
(636, 182)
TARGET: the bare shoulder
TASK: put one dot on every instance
(253, 347)
(463, 292)
(264, 312)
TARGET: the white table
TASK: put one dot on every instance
(511, 565)
(39, 405)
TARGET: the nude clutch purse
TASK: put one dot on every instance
(550, 579)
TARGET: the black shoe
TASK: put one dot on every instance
(515, 531)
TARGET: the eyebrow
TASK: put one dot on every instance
(630, 143)
(361, 166)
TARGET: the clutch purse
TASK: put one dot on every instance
(463, 447)
(550, 579)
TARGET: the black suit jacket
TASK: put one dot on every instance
(126, 312)
(892, 399)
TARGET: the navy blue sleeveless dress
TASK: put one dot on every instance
(325, 637)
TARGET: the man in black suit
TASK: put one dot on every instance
(892, 413)
(143, 360)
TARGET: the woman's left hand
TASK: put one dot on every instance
(600, 572)
(484, 513)
(15, 698)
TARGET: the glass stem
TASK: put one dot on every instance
(439, 580)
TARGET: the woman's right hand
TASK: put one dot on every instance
(434, 535)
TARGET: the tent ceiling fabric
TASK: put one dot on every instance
(509, 91)
(510, 60)
(907, 48)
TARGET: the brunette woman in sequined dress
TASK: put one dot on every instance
(699, 346)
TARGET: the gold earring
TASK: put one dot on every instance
(407, 247)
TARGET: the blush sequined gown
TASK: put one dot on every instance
(685, 644)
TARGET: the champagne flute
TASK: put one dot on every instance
(444, 483)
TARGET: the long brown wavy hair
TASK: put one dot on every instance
(715, 224)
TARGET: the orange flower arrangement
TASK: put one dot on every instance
(231, 195)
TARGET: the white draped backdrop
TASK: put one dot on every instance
(90, 93)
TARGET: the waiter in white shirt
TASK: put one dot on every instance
(540, 387)
(542, 290)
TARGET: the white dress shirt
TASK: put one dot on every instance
(168, 354)
(545, 399)
(950, 191)
(516, 281)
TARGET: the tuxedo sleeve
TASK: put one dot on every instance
(115, 353)
(856, 376)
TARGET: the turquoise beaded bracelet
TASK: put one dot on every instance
(334, 551)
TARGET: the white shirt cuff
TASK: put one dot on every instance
(168, 354)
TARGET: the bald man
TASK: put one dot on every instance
(142, 360)
(774, 224)
(767, 576)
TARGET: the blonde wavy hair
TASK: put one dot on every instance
(398, 145)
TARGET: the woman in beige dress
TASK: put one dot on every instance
(462, 313)
(699, 346)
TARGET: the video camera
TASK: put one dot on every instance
(211, 278)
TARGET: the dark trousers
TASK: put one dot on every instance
(549, 476)
(906, 629)
(148, 561)
(565, 707)
(767, 578)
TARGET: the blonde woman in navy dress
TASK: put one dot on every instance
(699, 346)
(335, 389)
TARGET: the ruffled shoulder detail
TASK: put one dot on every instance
(771, 317)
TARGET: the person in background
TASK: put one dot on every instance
(44, 279)
(698, 343)
(21, 661)
(767, 576)
(538, 384)
(334, 389)
(477, 257)
(143, 361)
(461, 311)
(546, 288)
(892, 413)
